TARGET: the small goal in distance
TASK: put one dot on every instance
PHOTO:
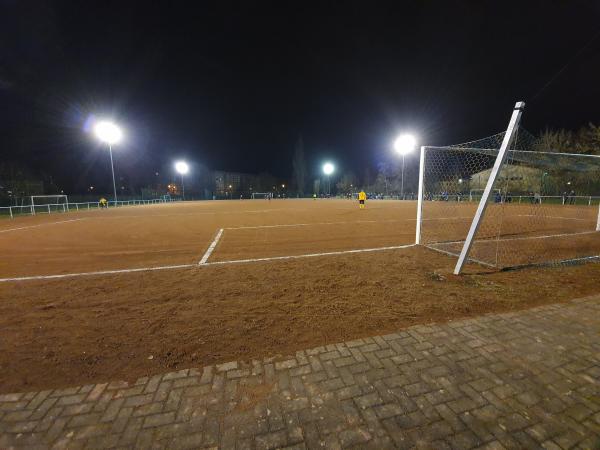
(263, 195)
(49, 203)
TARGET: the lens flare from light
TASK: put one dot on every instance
(328, 168)
(405, 144)
(182, 167)
(108, 132)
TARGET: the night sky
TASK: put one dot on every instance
(232, 85)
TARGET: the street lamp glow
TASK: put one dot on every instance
(182, 167)
(108, 132)
(405, 144)
(328, 168)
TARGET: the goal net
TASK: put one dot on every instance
(263, 195)
(542, 207)
(476, 194)
(49, 203)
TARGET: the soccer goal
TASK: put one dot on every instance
(263, 195)
(507, 224)
(49, 203)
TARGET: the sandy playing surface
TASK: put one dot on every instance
(69, 331)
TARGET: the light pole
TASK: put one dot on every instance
(182, 168)
(110, 134)
(328, 169)
(403, 145)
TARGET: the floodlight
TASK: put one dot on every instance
(404, 144)
(182, 167)
(108, 132)
(328, 168)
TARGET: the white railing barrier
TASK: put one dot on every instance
(576, 200)
(49, 208)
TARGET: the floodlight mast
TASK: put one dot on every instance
(110, 134)
(328, 169)
(403, 145)
(182, 168)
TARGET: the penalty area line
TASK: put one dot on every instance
(188, 266)
(101, 272)
(211, 248)
(308, 255)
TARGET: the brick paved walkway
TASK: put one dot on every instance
(519, 380)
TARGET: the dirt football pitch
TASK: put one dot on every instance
(102, 295)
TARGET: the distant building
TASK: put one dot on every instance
(516, 179)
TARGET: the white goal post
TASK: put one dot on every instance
(47, 199)
(46, 203)
(508, 139)
(262, 195)
(538, 207)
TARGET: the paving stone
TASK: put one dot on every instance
(520, 380)
(365, 401)
(355, 436)
(271, 440)
(159, 419)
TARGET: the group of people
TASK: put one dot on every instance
(569, 198)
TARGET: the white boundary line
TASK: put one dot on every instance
(308, 255)
(554, 217)
(284, 225)
(187, 266)
(211, 248)
(101, 272)
(41, 225)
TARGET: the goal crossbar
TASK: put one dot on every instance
(63, 197)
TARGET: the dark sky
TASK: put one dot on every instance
(231, 85)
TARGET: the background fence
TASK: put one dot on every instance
(49, 208)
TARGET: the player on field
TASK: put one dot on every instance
(103, 203)
(362, 197)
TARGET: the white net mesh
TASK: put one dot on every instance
(544, 207)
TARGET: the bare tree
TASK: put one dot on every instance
(347, 183)
(587, 140)
(555, 141)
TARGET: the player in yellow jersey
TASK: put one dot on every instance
(361, 199)
(103, 203)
